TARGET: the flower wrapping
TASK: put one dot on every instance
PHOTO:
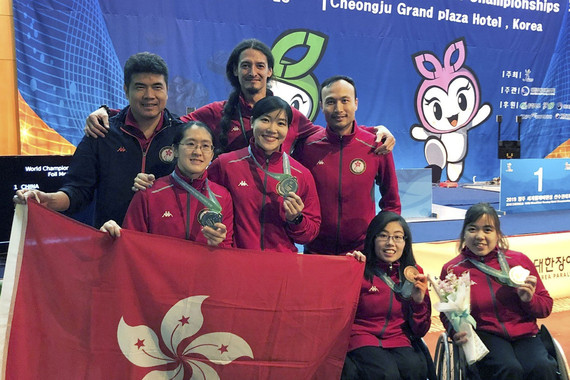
(455, 302)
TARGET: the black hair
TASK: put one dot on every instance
(182, 131)
(335, 78)
(473, 214)
(270, 104)
(230, 108)
(376, 226)
(144, 62)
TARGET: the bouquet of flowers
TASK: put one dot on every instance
(455, 302)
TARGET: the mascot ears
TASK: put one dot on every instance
(429, 67)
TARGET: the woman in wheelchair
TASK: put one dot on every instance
(507, 296)
(394, 309)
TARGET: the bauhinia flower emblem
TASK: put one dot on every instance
(140, 344)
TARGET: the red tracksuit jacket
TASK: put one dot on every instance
(162, 209)
(211, 114)
(497, 308)
(258, 210)
(345, 169)
(384, 319)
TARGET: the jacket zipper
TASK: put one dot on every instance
(497, 315)
(388, 316)
(262, 216)
(339, 216)
(145, 151)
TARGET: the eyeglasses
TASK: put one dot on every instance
(191, 145)
(396, 238)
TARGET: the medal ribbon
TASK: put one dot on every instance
(404, 288)
(278, 176)
(211, 203)
(501, 275)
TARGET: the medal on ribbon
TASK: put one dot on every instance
(212, 214)
(287, 182)
(209, 218)
(405, 287)
(507, 276)
(410, 272)
(518, 275)
(287, 185)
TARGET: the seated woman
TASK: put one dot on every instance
(276, 202)
(184, 204)
(504, 307)
(394, 307)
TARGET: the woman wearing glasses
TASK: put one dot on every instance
(276, 202)
(394, 309)
(184, 204)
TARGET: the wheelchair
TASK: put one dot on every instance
(450, 362)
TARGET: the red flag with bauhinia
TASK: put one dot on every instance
(79, 304)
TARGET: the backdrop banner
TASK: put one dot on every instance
(435, 73)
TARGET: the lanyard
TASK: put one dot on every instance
(501, 275)
(403, 288)
(241, 124)
(211, 203)
(278, 176)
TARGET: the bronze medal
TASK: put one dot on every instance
(208, 218)
(410, 272)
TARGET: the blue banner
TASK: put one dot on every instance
(435, 73)
(535, 185)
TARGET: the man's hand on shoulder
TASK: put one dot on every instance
(97, 123)
(143, 181)
(385, 140)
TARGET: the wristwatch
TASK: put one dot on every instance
(298, 219)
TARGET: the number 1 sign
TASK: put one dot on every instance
(535, 185)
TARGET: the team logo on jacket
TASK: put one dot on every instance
(357, 166)
(166, 154)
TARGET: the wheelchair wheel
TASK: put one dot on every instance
(442, 358)
(448, 358)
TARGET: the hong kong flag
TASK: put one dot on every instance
(78, 304)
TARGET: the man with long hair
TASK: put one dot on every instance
(249, 70)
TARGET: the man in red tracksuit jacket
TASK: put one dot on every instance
(249, 69)
(345, 168)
